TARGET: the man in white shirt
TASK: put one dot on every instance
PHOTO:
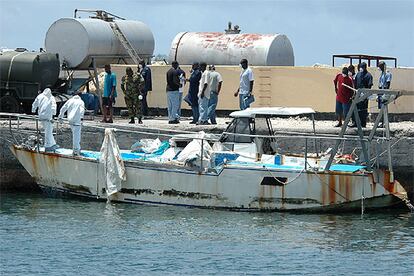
(45, 104)
(246, 85)
(204, 94)
(215, 86)
(75, 108)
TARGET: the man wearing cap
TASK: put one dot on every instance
(75, 109)
(246, 85)
(215, 86)
(132, 85)
(363, 80)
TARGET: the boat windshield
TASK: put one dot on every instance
(242, 125)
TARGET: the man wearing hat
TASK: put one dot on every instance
(363, 80)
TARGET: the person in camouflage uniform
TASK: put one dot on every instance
(132, 85)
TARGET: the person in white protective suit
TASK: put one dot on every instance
(75, 108)
(45, 104)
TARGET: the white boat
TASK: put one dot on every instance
(240, 170)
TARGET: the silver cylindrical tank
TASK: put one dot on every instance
(78, 40)
(229, 49)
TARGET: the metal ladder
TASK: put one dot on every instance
(124, 41)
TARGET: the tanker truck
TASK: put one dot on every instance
(23, 74)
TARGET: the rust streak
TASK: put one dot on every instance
(323, 190)
(348, 188)
(389, 186)
(373, 184)
(332, 187)
(34, 163)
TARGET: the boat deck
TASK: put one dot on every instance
(129, 156)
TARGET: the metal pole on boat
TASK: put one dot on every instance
(37, 135)
(362, 203)
(387, 133)
(10, 129)
(306, 153)
(314, 133)
(202, 153)
(57, 131)
(98, 89)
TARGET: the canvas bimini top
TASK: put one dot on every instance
(272, 111)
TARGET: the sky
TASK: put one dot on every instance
(317, 29)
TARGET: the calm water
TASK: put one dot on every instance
(56, 236)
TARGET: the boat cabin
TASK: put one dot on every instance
(257, 122)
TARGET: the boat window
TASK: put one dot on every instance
(274, 181)
(240, 126)
(264, 127)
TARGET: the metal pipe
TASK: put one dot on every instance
(202, 153)
(298, 136)
(387, 134)
(377, 121)
(11, 131)
(306, 153)
(37, 135)
(314, 133)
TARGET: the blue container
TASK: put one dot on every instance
(278, 159)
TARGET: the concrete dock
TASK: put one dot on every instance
(14, 177)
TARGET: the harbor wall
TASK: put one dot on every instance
(279, 86)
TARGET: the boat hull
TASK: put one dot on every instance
(232, 187)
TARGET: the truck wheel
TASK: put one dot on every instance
(9, 104)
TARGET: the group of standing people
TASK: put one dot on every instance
(205, 85)
(362, 79)
(204, 89)
(45, 105)
(135, 85)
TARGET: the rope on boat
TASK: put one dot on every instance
(385, 151)
(287, 182)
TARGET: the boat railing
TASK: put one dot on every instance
(17, 137)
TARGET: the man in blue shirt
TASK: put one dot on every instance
(192, 96)
(363, 80)
(145, 72)
(109, 95)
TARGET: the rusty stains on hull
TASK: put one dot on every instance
(332, 187)
(388, 185)
(283, 201)
(192, 195)
(76, 188)
(172, 193)
(137, 191)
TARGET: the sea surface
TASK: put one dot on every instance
(67, 236)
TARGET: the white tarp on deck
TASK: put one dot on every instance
(112, 163)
